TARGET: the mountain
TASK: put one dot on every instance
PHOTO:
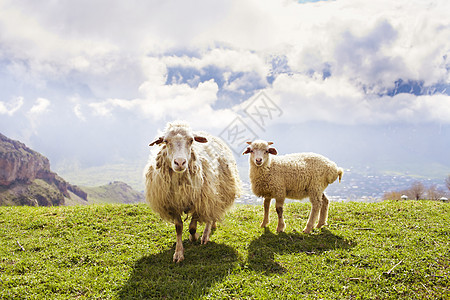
(26, 179)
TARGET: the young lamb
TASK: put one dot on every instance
(195, 174)
(294, 176)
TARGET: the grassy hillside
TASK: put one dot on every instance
(131, 173)
(386, 250)
(113, 192)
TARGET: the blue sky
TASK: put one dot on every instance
(93, 82)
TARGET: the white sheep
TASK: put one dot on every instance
(294, 176)
(194, 174)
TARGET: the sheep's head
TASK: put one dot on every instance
(259, 152)
(178, 139)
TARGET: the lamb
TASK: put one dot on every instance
(193, 173)
(294, 176)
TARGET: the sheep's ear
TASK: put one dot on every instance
(157, 141)
(200, 139)
(249, 143)
(270, 143)
(273, 151)
(248, 150)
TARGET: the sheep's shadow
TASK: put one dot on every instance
(157, 276)
(261, 251)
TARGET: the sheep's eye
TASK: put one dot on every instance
(267, 151)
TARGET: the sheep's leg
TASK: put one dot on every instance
(266, 212)
(323, 212)
(179, 250)
(206, 233)
(279, 207)
(193, 228)
(316, 201)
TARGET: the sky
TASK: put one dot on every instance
(367, 83)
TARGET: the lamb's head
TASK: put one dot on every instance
(178, 139)
(259, 152)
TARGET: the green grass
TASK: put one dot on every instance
(386, 250)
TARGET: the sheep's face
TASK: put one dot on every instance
(179, 151)
(179, 147)
(259, 152)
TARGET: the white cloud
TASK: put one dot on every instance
(231, 59)
(374, 43)
(40, 107)
(9, 108)
(336, 100)
(166, 102)
(36, 112)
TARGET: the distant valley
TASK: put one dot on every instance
(26, 179)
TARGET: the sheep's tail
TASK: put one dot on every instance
(340, 173)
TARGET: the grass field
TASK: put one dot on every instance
(386, 250)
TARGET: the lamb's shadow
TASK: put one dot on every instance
(261, 252)
(157, 276)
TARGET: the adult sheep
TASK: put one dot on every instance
(294, 176)
(195, 174)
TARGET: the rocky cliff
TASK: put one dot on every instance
(26, 178)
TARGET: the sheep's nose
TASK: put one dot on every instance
(258, 160)
(180, 162)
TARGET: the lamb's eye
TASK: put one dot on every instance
(267, 151)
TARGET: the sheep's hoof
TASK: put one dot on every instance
(264, 224)
(205, 240)
(178, 256)
(194, 237)
(281, 227)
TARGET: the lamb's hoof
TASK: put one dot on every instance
(307, 230)
(194, 237)
(321, 225)
(281, 227)
(178, 257)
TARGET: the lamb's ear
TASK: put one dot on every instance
(157, 141)
(200, 139)
(273, 151)
(269, 143)
(249, 143)
(248, 150)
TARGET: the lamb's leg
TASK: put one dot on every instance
(316, 201)
(266, 212)
(279, 207)
(323, 212)
(193, 228)
(206, 233)
(179, 250)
